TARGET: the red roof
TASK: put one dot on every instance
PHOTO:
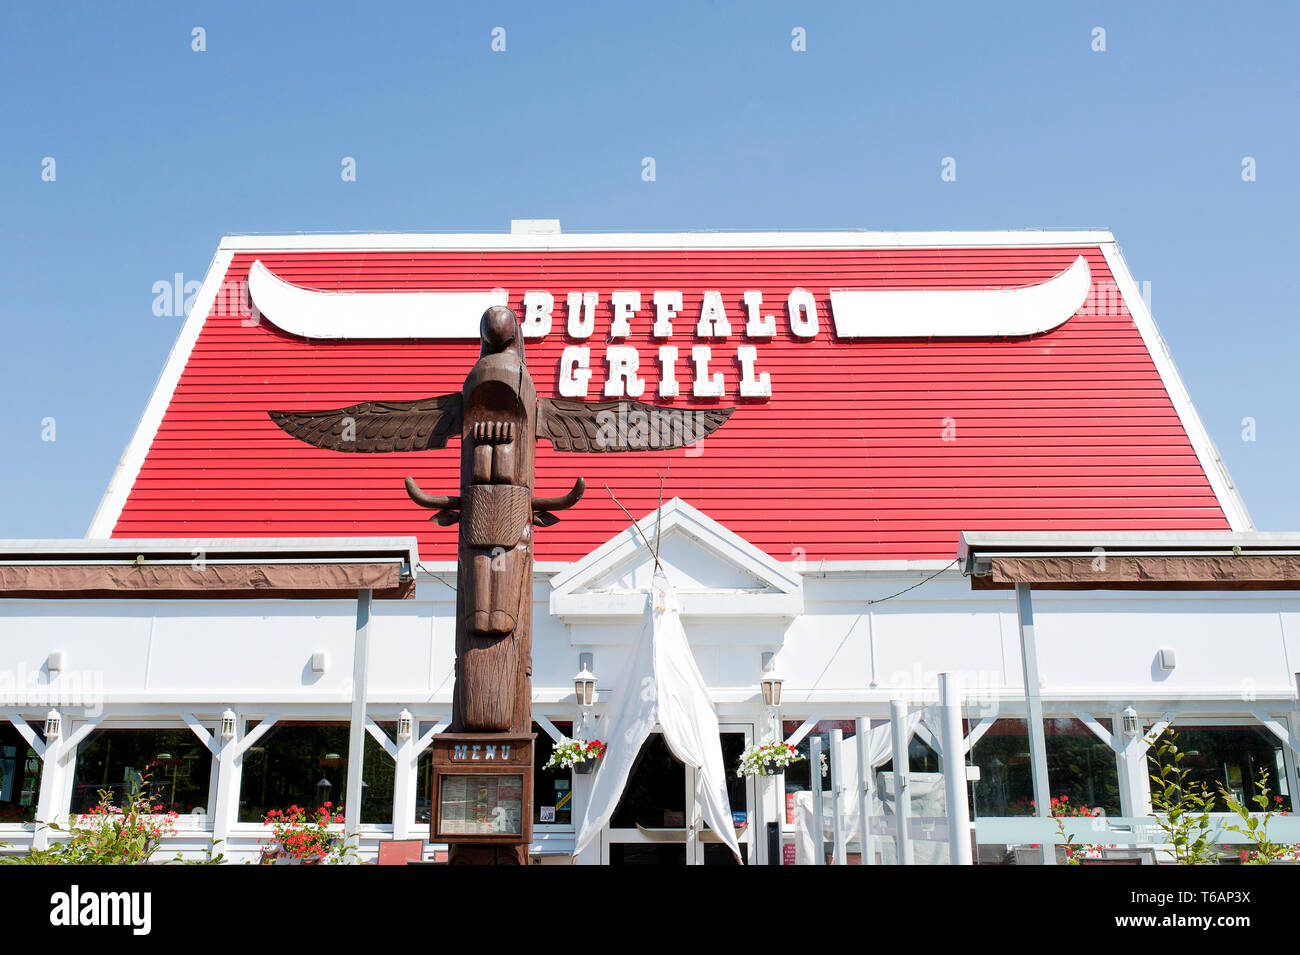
(1071, 429)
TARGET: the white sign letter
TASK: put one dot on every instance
(537, 313)
(713, 317)
(758, 325)
(803, 313)
(623, 363)
(582, 314)
(705, 387)
(575, 371)
(749, 387)
(667, 305)
(624, 305)
(668, 387)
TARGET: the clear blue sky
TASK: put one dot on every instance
(160, 151)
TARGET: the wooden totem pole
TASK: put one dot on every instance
(483, 764)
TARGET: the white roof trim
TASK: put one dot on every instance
(128, 468)
(784, 586)
(488, 241)
(1216, 471)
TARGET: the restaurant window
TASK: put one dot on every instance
(20, 775)
(1005, 786)
(171, 765)
(1080, 767)
(424, 780)
(552, 788)
(798, 776)
(1232, 757)
(306, 764)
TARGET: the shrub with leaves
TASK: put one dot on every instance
(107, 834)
(1181, 806)
(1255, 826)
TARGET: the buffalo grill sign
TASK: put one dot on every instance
(689, 345)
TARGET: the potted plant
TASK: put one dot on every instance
(767, 759)
(304, 838)
(576, 754)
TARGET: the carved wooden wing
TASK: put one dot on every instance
(571, 424)
(377, 426)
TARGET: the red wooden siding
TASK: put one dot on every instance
(1069, 430)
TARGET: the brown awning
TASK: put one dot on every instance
(1142, 572)
(299, 580)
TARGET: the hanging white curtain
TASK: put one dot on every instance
(661, 684)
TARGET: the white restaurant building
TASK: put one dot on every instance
(962, 453)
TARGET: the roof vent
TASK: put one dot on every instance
(534, 226)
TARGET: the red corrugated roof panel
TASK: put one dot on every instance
(1072, 429)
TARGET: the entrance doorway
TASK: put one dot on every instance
(658, 820)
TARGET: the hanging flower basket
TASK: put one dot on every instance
(576, 754)
(303, 837)
(767, 759)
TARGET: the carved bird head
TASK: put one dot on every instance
(499, 329)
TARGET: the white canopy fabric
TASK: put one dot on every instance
(661, 684)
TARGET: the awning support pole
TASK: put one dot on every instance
(954, 771)
(902, 793)
(357, 726)
(837, 798)
(1034, 713)
(866, 781)
(819, 823)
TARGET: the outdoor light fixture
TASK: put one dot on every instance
(770, 682)
(404, 725)
(1130, 722)
(228, 724)
(584, 684)
(323, 787)
(319, 661)
(53, 724)
(54, 662)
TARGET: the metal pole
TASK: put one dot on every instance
(815, 774)
(1034, 714)
(837, 798)
(954, 771)
(866, 783)
(357, 726)
(902, 794)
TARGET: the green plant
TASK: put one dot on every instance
(307, 836)
(1255, 827)
(107, 834)
(1181, 806)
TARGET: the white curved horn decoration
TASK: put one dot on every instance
(964, 313)
(314, 314)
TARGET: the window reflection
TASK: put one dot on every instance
(176, 768)
(306, 764)
(20, 775)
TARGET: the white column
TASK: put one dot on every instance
(954, 770)
(405, 774)
(837, 799)
(357, 727)
(225, 812)
(1132, 794)
(815, 775)
(902, 792)
(1034, 713)
(866, 783)
(51, 802)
